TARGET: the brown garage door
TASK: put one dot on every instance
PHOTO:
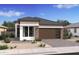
(45, 33)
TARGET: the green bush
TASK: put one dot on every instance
(7, 40)
(2, 37)
(2, 47)
(12, 35)
(67, 35)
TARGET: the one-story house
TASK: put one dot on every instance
(73, 29)
(31, 28)
(3, 29)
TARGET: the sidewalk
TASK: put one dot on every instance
(56, 50)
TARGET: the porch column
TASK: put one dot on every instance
(36, 32)
(21, 33)
(62, 32)
(15, 30)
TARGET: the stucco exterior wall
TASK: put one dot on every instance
(2, 30)
(72, 31)
(29, 22)
(34, 24)
(40, 31)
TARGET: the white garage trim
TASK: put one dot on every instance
(51, 27)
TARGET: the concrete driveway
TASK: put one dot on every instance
(60, 43)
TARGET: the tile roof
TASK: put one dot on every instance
(73, 25)
(38, 19)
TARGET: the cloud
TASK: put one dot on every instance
(67, 6)
(11, 13)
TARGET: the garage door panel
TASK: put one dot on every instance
(48, 33)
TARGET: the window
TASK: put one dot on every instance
(25, 31)
(75, 30)
(28, 31)
(31, 31)
(18, 31)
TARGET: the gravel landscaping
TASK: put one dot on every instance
(22, 45)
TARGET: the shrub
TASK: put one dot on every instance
(70, 35)
(33, 41)
(40, 44)
(12, 35)
(38, 39)
(11, 47)
(7, 40)
(24, 40)
(2, 37)
(3, 47)
(43, 44)
(67, 34)
(75, 36)
(77, 40)
(14, 46)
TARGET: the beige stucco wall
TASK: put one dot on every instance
(2, 30)
(28, 22)
(72, 31)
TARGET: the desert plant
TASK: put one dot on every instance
(7, 40)
(33, 41)
(43, 44)
(3, 47)
(2, 37)
(67, 34)
(24, 40)
(40, 44)
(14, 46)
(37, 39)
(77, 40)
(11, 47)
(75, 36)
(12, 35)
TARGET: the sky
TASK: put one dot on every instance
(54, 12)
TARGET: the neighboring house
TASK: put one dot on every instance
(74, 29)
(3, 29)
(30, 28)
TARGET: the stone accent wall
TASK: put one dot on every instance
(36, 32)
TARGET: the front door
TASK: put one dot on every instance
(28, 33)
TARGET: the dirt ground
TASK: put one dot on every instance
(22, 45)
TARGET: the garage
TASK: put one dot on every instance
(49, 33)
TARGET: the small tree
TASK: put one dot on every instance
(63, 22)
(67, 35)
